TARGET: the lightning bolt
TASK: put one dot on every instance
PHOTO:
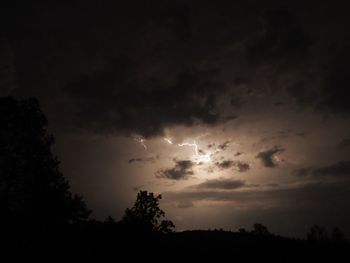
(168, 140)
(190, 144)
(197, 157)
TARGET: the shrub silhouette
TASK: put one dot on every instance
(32, 189)
(145, 215)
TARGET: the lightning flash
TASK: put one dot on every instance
(168, 140)
(197, 157)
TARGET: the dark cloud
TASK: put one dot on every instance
(282, 35)
(132, 160)
(334, 97)
(242, 167)
(147, 159)
(181, 171)
(229, 118)
(221, 183)
(301, 134)
(341, 168)
(268, 157)
(344, 144)
(110, 82)
(92, 66)
(286, 45)
(278, 103)
(225, 164)
(125, 105)
(7, 69)
(224, 145)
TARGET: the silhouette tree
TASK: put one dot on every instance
(145, 215)
(318, 234)
(338, 236)
(32, 189)
(242, 231)
(261, 230)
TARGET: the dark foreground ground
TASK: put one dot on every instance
(112, 243)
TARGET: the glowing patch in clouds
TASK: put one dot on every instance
(198, 158)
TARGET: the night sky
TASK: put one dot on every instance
(237, 112)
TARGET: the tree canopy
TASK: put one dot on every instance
(145, 215)
(32, 188)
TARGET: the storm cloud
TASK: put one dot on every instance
(341, 168)
(129, 105)
(268, 157)
(181, 171)
(108, 83)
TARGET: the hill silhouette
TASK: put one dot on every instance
(42, 220)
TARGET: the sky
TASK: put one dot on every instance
(237, 112)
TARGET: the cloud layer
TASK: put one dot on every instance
(93, 66)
